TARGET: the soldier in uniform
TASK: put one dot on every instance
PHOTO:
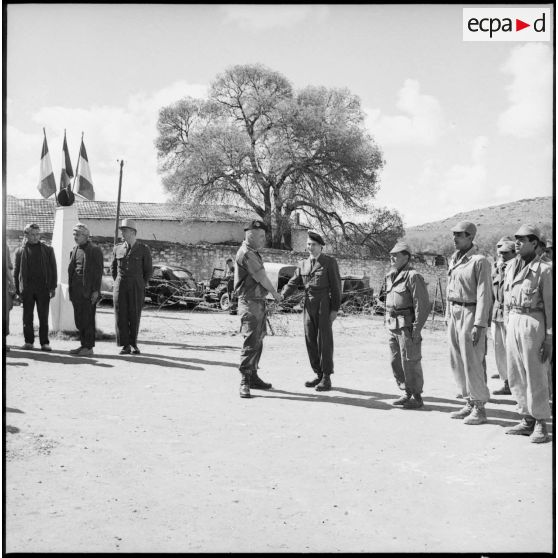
(528, 304)
(251, 285)
(85, 272)
(469, 299)
(506, 252)
(319, 275)
(407, 308)
(131, 269)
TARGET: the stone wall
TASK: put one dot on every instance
(201, 259)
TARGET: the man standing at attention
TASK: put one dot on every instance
(131, 269)
(469, 300)
(529, 309)
(319, 275)
(506, 252)
(85, 272)
(251, 285)
(407, 308)
(35, 279)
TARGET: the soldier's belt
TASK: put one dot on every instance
(458, 303)
(394, 312)
(524, 310)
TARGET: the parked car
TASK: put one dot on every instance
(174, 285)
(107, 283)
(356, 293)
(216, 290)
(279, 275)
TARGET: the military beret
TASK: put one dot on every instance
(528, 230)
(81, 228)
(316, 237)
(128, 224)
(401, 247)
(506, 246)
(504, 239)
(465, 226)
(255, 225)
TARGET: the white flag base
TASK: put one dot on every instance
(61, 316)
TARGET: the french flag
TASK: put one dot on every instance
(67, 172)
(84, 180)
(47, 183)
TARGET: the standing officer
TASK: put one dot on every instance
(319, 275)
(131, 269)
(528, 304)
(85, 272)
(506, 252)
(35, 279)
(469, 299)
(251, 285)
(407, 308)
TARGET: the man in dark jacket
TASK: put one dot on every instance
(35, 279)
(131, 269)
(322, 297)
(84, 280)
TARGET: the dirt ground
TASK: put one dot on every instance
(158, 453)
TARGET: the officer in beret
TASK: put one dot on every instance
(407, 308)
(529, 310)
(319, 275)
(131, 270)
(506, 252)
(85, 272)
(251, 285)
(469, 301)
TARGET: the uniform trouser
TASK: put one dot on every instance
(319, 334)
(527, 375)
(466, 359)
(128, 299)
(499, 339)
(405, 359)
(84, 314)
(42, 299)
(253, 328)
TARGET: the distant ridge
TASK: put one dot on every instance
(492, 223)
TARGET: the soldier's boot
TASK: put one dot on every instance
(315, 381)
(464, 411)
(325, 383)
(504, 390)
(524, 428)
(403, 399)
(415, 403)
(257, 383)
(540, 434)
(478, 415)
(245, 385)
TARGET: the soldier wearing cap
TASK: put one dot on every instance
(36, 279)
(85, 272)
(506, 252)
(469, 300)
(528, 305)
(407, 308)
(251, 285)
(319, 275)
(131, 269)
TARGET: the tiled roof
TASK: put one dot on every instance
(19, 212)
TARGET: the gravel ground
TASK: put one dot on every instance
(158, 453)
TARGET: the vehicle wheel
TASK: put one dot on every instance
(163, 299)
(224, 301)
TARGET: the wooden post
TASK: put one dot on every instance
(118, 204)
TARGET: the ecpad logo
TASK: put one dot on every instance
(506, 24)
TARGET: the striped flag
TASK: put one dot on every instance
(47, 183)
(67, 173)
(84, 180)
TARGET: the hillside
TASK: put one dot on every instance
(492, 223)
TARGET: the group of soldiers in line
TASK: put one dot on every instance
(514, 299)
(35, 281)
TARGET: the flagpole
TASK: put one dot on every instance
(77, 166)
(118, 204)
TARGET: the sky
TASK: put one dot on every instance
(462, 125)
